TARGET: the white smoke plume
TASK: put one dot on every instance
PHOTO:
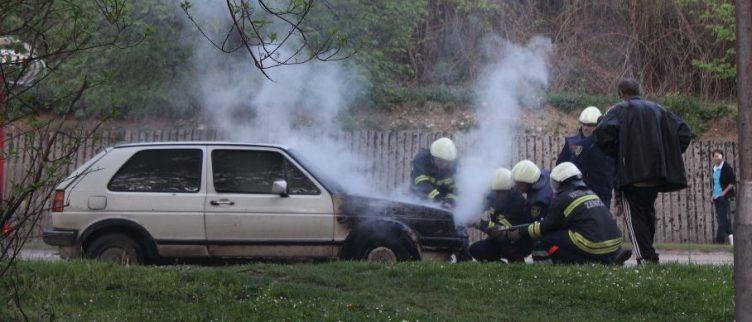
(297, 108)
(517, 77)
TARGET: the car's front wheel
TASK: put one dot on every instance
(387, 250)
(118, 248)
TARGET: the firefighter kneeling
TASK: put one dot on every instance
(506, 208)
(578, 229)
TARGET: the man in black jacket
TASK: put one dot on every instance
(723, 189)
(647, 142)
(578, 228)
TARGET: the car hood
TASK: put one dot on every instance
(424, 219)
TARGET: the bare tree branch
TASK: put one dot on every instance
(257, 23)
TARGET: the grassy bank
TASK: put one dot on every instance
(362, 291)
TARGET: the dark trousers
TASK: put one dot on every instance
(605, 197)
(494, 249)
(639, 212)
(560, 249)
(722, 217)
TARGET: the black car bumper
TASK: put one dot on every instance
(60, 237)
(443, 242)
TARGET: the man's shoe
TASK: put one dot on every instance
(621, 256)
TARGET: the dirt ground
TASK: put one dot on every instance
(435, 117)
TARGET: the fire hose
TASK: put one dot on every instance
(498, 231)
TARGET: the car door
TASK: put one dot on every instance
(244, 218)
(163, 190)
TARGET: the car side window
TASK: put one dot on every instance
(244, 171)
(160, 170)
(297, 182)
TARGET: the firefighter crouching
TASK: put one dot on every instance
(505, 208)
(433, 173)
(535, 183)
(579, 227)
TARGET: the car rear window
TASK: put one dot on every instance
(160, 170)
(244, 171)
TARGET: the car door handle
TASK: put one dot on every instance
(221, 202)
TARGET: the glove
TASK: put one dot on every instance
(443, 189)
(480, 224)
(496, 232)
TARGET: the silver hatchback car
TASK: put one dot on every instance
(148, 202)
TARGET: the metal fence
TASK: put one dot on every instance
(684, 216)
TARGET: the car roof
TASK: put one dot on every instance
(225, 143)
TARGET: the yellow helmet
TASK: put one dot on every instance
(444, 148)
(502, 179)
(590, 115)
(564, 171)
(526, 171)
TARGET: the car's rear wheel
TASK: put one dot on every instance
(118, 248)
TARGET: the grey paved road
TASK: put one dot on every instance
(667, 256)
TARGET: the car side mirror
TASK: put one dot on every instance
(279, 187)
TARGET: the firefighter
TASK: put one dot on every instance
(579, 227)
(598, 169)
(533, 182)
(433, 173)
(505, 207)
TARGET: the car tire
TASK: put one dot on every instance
(118, 248)
(386, 250)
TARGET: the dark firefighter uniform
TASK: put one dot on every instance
(598, 169)
(506, 213)
(578, 229)
(539, 197)
(430, 182)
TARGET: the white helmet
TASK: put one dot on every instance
(526, 171)
(444, 148)
(590, 115)
(502, 179)
(564, 171)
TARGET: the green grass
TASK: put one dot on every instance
(364, 292)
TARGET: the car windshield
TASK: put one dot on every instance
(329, 183)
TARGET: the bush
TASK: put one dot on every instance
(697, 112)
(388, 96)
(570, 102)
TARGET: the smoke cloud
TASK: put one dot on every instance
(300, 107)
(515, 79)
(297, 108)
